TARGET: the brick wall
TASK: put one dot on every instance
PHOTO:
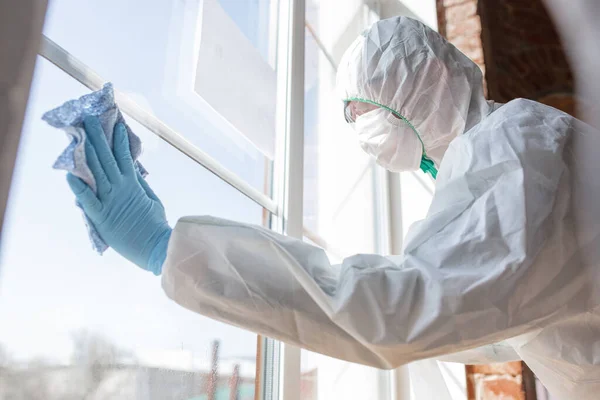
(506, 381)
(525, 54)
(495, 382)
(515, 44)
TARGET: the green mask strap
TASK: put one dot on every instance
(427, 165)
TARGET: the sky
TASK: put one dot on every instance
(52, 284)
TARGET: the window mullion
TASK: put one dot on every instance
(399, 377)
(289, 164)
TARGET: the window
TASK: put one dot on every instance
(82, 326)
(340, 179)
(76, 323)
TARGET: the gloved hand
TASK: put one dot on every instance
(125, 211)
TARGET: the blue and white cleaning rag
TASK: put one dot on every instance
(69, 117)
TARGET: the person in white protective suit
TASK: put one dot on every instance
(508, 253)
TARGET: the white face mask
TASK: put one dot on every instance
(390, 140)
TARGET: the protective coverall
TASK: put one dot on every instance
(508, 252)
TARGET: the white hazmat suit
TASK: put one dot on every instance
(509, 250)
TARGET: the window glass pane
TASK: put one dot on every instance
(328, 378)
(76, 325)
(340, 184)
(417, 193)
(204, 67)
(339, 191)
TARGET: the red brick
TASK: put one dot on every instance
(511, 368)
(461, 12)
(450, 3)
(500, 388)
(522, 68)
(564, 102)
(461, 25)
(467, 42)
(476, 55)
(470, 26)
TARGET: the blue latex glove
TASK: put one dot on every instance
(125, 211)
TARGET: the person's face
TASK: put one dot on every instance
(354, 109)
